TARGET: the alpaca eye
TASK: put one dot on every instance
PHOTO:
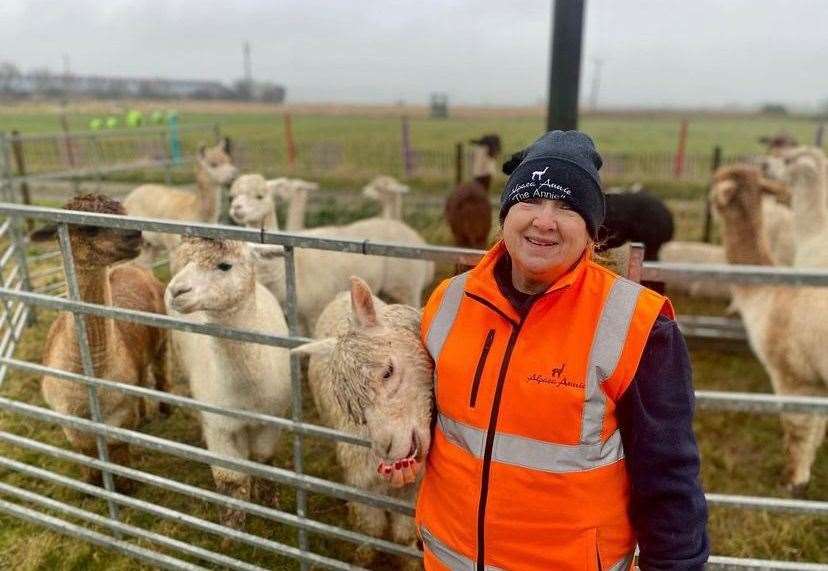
(224, 266)
(389, 371)
(259, 196)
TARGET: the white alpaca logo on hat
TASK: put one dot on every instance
(539, 174)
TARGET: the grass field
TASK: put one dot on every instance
(741, 453)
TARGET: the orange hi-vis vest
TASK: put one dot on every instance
(526, 468)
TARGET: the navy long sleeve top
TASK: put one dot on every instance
(655, 416)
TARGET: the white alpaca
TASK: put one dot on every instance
(214, 169)
(370, 376)
(217, 285)
(786, 326)
(807, 178)
(388, 191)
(321, 274)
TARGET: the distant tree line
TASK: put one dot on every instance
(41, 82)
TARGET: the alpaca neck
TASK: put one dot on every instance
(238, 355)
(484, 180)
(209, 196)
(745, 242)
(296, 211)
(392, 206)
(94, 287)
(808, 205)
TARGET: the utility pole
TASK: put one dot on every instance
(597, 63)
(248, 66)
(565, 64)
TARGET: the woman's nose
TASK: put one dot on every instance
(545, 219)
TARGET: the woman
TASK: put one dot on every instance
(564, 395)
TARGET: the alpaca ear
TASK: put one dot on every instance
(513, 162)
(362, 304)
(322, 347)
(267, 251)
(278, 186)
(202, 150)
(227, 145)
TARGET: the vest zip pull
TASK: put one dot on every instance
(481, 363)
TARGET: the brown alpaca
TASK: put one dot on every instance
(468, 210)
(786, 326)
(121, 351)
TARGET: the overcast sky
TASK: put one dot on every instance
(655, 52)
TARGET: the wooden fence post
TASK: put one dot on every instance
(678, 163)
(20, 164)
(714, 165)
(406, 148)
(289, 143)
(458, 163)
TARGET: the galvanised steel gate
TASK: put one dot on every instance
(159, 550)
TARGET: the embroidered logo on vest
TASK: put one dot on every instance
(556, 379)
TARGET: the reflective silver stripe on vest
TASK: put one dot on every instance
(622, 565)
(607, 344)
(533, 454)
(447, 556)
(444, 319)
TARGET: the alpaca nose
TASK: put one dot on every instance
(179, 290)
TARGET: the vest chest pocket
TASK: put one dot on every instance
(481, 363)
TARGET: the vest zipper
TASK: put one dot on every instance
(490, 435)
(478, 373)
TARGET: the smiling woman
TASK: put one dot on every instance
(563, 393)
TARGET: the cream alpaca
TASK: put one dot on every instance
(807, 178)
(121, 351)
(370, 376)
(388, 191)
(214, 169)
(786, 326)
(217, 285)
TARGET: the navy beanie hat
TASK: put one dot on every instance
(560, 165)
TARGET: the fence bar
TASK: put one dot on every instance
(278, 475)
(721, 563)
(213, 497)
(735, 273)
(7, 345)
(66, 528)
(82, 338)
(784, 505)
(185, 402)
(192, 550)
(179, 517)
(756, 402)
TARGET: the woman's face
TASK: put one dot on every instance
(544, 238)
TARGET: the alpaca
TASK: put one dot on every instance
(370, 376)
(468, 209)
(295, 193)
(217, 285)
(214, 169)
(388, 191)
(636, 217)
(401, 279)
(253, 201)
(786, 326)
(806, 175)
(126, 352)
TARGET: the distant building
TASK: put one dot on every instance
(43, 83)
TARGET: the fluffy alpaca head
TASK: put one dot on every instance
(217, 162)
(383, 186)
(736, 192)
(218, 276)
(96, 246)
(382, 375)
(252, 200)
(805, 166)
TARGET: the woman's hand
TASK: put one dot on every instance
(400, 473)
